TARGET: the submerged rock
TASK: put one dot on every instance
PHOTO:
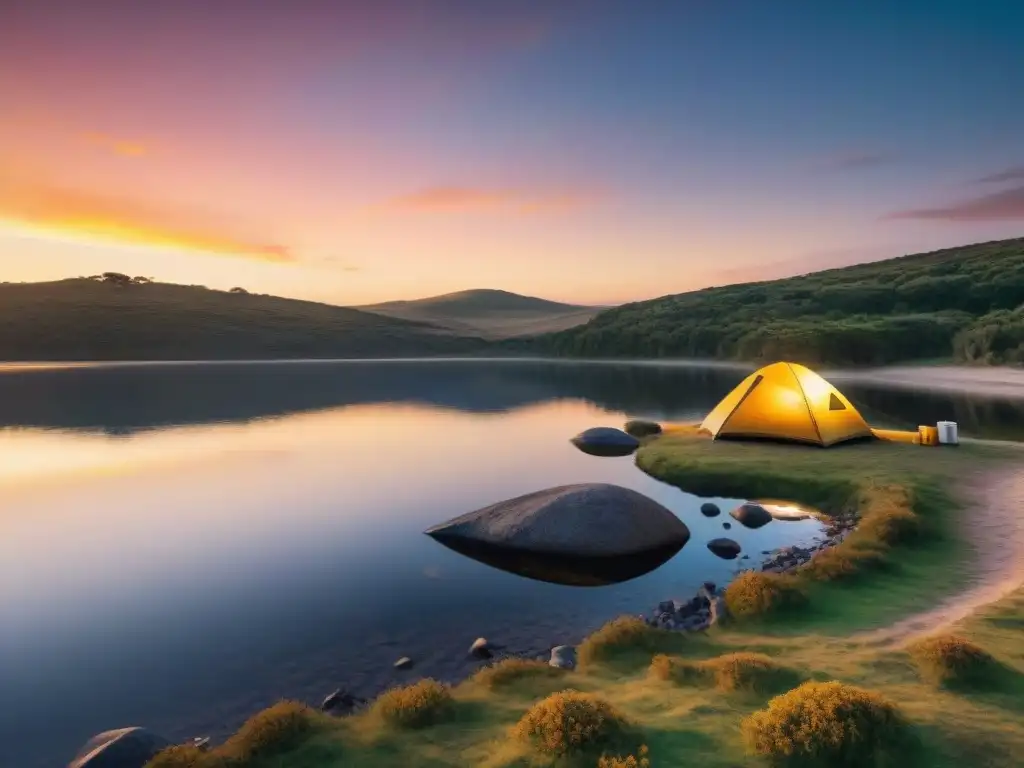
(563, 656)
(586, 520)
(606, 441)
(710, 510)
(341, 702)
(640, 428)
(752, 515)
(727, 526)
(727, 549)
(480, 648)
(121, 748)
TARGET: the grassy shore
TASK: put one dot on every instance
(707, 698)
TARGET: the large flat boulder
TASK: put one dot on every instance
(121, 748)
(584, 520)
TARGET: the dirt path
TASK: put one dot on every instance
(992, 523)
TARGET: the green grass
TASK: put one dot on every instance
(82, 319)
(694, 699)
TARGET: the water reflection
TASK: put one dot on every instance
(122, 399)
(564, 569)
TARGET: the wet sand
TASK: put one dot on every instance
(985, 381)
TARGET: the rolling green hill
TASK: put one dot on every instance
(488, 313)
(88, 319)
(965, 303)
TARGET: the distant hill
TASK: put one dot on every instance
(964, 303)
(118, 319)
(488, 313)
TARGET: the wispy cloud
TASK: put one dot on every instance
(1010, 174)
(123, 147)
(850, 161)
(461, 199)
(63, 212)
(999, 206)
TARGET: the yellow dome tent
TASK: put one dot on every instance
(786, 401)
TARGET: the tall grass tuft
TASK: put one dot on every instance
(953, 660)
(624, 634)
(747, 672)
(763, 594)
(274, 730)
(510, 671)
(414, 706)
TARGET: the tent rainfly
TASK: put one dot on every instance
(786, 401)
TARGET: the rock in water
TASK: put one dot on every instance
(605, 441)
(563, 656)
(727, 549)
(710, 510)
(640, 428)
(727, 526)
(752, 515)
(403, 663)
(480, 648)
(585, 520)
(121, 748)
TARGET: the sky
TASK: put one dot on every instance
(586, 151)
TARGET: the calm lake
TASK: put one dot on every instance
(184, 544)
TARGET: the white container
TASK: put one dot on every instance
(948, 433)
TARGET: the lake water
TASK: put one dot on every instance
(182, 545)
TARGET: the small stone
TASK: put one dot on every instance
(480, 648)
(727, 526)
(202, 743)
(752, 515)
(563, 656)
(710, 510)
(403, 663)
(727, 549)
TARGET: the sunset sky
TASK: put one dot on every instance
(593, 152)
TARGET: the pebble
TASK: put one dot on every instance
(480, 648)
(563, 656)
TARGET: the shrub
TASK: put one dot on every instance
(843, 562)
(951, 660)
(570, 722)
(508, 671)
(752, 672)
(414, 706)
(888, 517)
(626, 633)
(274, 730)
(641, 761)
(826, 724)
(763, 594)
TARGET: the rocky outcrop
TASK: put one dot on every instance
(605, 441)
(121, 748)
(585, 520)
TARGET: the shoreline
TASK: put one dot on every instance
(994, 530)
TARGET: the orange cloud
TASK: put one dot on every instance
(442, 199)
(117, 146)
(62, 212)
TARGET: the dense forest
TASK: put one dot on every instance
(963, 303)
